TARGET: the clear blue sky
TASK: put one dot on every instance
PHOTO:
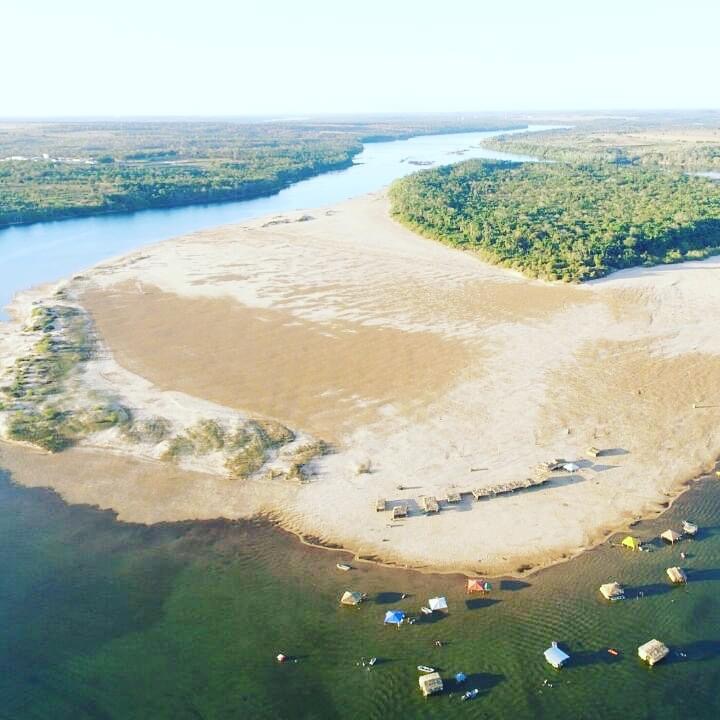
(236, 57)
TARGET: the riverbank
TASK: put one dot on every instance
(443, 373)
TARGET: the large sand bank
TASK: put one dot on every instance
(443, 371)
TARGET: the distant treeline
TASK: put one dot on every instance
(670, 147)
(138, 165)
(559, 221)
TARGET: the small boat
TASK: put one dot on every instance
(470, 694)
(343, 566)
(426, 610)
(425, 669)
(613, 651)
(689, 528)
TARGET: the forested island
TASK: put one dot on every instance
(567, 222)
(68, 169)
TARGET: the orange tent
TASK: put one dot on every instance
(477, 585)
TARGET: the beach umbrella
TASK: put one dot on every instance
(631, 542)
(475, 585)
(394, 617)
(437, 603)
(460, 677)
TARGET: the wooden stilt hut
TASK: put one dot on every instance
(400, 511)
(430, 683)
(677, 575)
(612, 591)
(653, 652)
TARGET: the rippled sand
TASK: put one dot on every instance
(443, 371)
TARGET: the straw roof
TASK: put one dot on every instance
(671, 536)
(351, 598)
(612, 591)
(653, 651)
(430, 683)
(676, 574)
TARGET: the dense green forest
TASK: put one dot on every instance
(56, 170)
(558, 221)
(684, 147)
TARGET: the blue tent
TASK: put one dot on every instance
(394, 617)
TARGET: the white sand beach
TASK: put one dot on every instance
(443, 372)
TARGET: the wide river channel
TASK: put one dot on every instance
(46, 251)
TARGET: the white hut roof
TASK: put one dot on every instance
(555, 656)
(437, 603)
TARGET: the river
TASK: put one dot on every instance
(47, 251)
(182, 621)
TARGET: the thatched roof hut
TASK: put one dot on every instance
(653, 652)
(351, 598)
(593, 452)
(400, 511)
(671, 536)
(612, 591)
(430, 683)
(453, 496)
(430, 504)
(676, 575)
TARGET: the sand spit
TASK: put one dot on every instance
(440, 371)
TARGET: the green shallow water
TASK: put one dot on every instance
(109, 620)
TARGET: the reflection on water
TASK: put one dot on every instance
(43, 252)
(183, 620)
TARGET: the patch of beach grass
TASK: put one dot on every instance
(252, 443)
(47, 428)
(303, 456)
(152, 430)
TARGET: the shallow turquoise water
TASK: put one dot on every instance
(109, 620)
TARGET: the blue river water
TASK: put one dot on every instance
(48, 251)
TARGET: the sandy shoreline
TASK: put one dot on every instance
(443, 372)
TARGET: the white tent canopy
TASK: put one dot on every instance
(437, 603)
